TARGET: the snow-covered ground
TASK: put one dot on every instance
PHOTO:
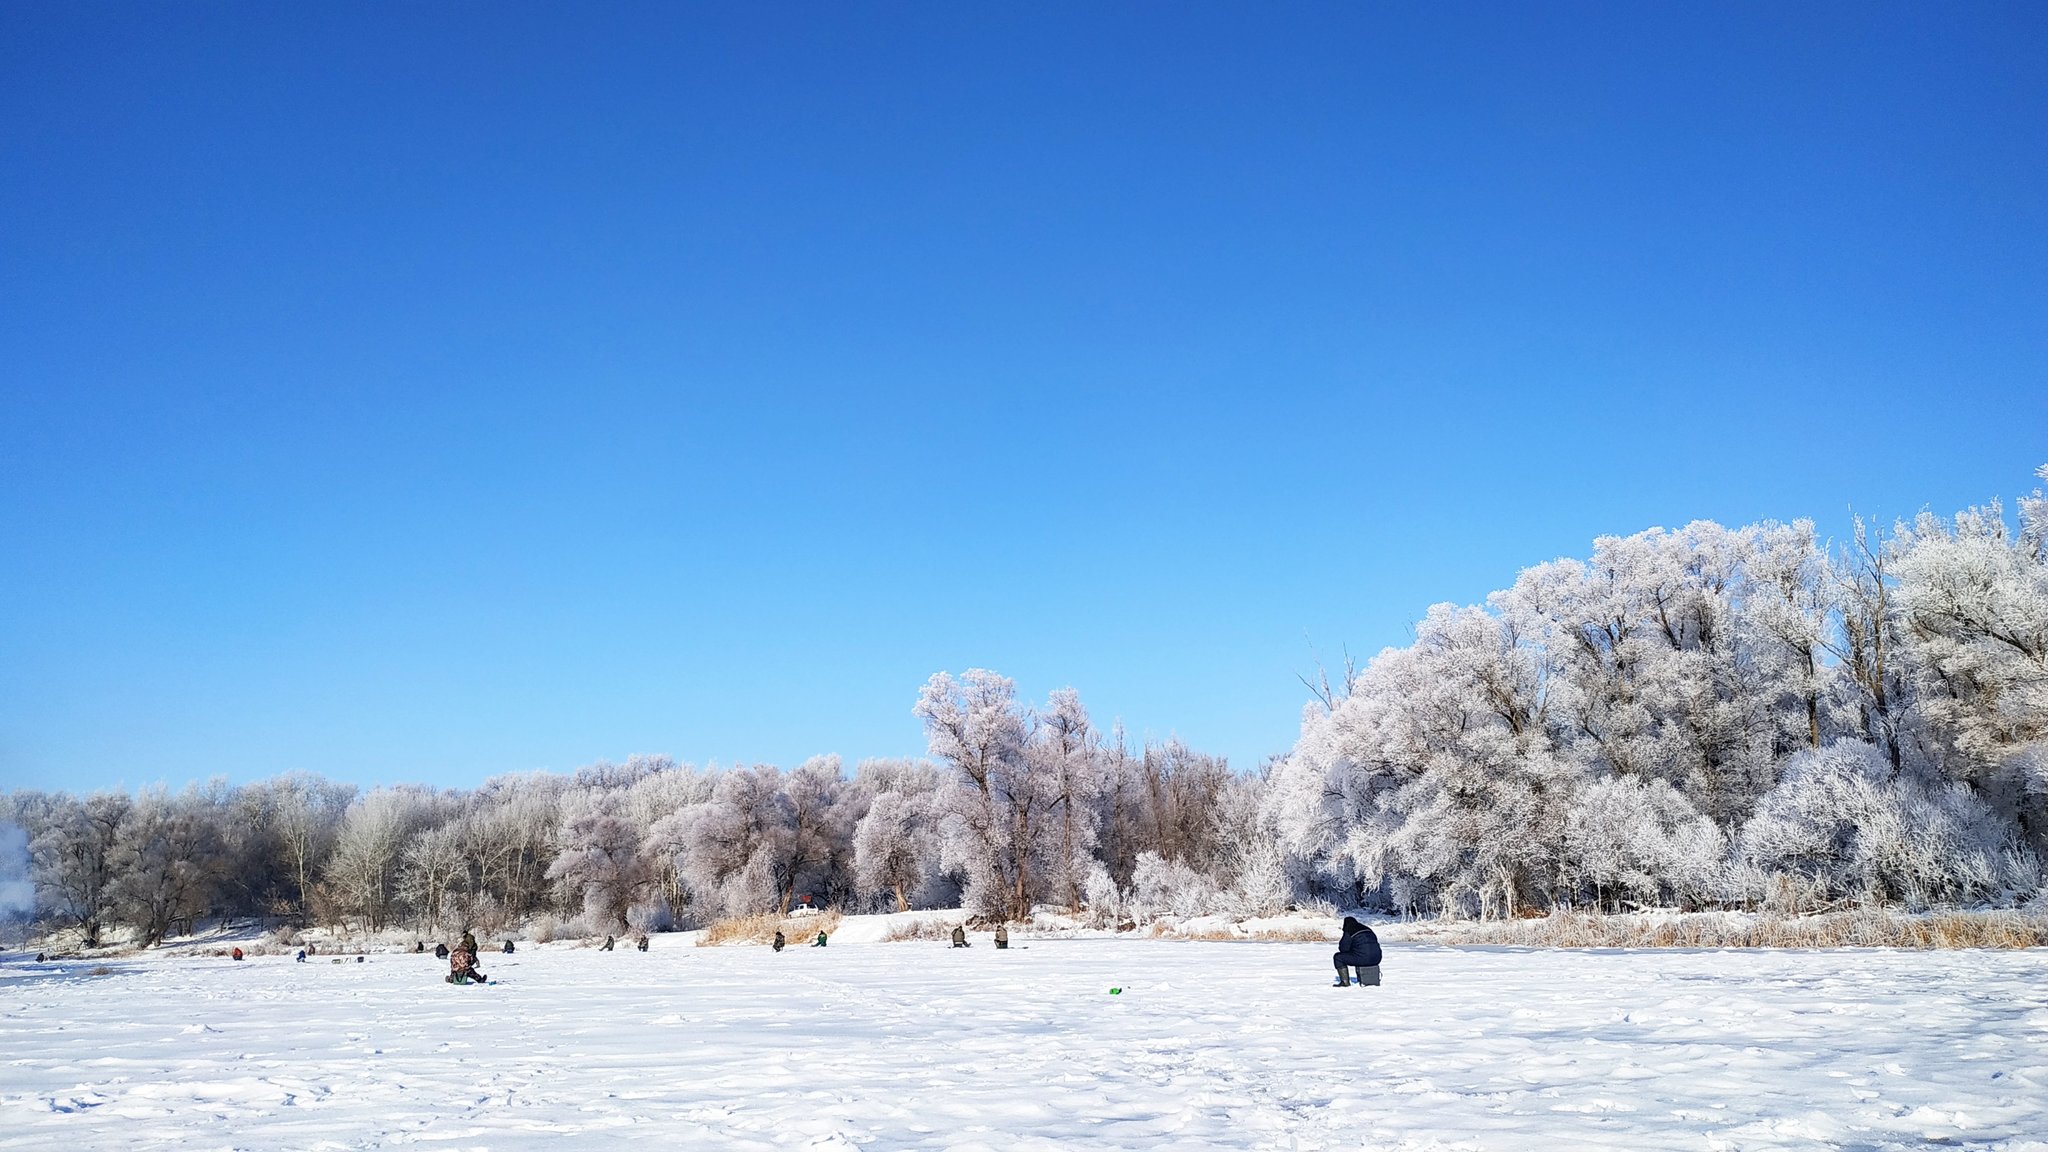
(914, 1045)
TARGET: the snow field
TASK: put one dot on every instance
(914, 1045)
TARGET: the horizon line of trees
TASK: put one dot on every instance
(1707, 717)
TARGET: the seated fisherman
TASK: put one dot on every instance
(1359, 949)
(462, 967)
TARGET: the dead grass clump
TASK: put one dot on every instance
(1213, 932)
(918, 930)
(1859, 928)
(102, 970)
(761, 929)
(1301, 935)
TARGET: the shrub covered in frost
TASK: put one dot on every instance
(1844, 818)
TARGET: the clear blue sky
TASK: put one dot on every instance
(424, 392)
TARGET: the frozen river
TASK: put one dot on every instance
(913, 1045)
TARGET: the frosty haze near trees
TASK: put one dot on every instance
(1704, 717)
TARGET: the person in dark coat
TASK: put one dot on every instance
(641, 944)
(609, 941)
(779, 941)
(469, 942)
(508, 947)
(1359, 949)
(440, 951)
(419, 946)
(959, 936)
(1002, 935)
(820, 941)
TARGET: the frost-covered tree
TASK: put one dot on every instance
(165, 862)
(1163, 887)
(511, 838)
(433, 874)
(1064, 750)
(1181, 791)
(730, 845)
(892, 845)
(998, 803)
(1787, 621)
(1107, 905)
(657, 805)
(1875, 677)
(1250, 868)
(896, 849)
(1628, 838)
(1973, 600)
(306, 814)
(600, 864)
(74, 856)
(1845, 820)
(362, 872)
(820, 812)
(1650, 674)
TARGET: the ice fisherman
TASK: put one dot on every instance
(780, 943)
(1002, 936)
(508, 947)
(462, 967)
(820, 942)
(609, 943)
(641, 943)
(959, 936)
(1360, 949)
(440, 951)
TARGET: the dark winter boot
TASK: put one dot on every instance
(1343, 978)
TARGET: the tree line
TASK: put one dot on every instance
(1705, 717)
(1024, 806)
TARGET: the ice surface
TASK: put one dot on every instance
(914, 1045)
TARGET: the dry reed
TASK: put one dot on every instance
(918, 930)
(1858, 928)
(1168, 930)
(761, 929)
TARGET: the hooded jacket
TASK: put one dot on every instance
(1359, 947)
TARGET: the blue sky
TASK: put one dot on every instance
(429, 392)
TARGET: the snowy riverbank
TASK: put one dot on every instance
(917, 1045)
